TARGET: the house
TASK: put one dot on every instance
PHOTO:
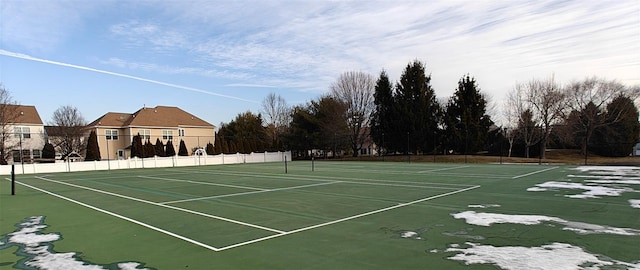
(66, 140)
(23, 138)
(115, 131)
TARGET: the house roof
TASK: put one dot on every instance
(25, 114)
(160, 116)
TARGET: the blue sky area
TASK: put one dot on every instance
(216, 59)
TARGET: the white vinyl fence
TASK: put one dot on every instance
(155, 162)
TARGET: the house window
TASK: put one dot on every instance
(22, 132)
(120, 154)
(167, 134)
(23, 155)
(36, 153)
(145, 134)
(111, 134)
(181, 132)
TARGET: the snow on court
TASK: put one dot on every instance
(557, 256)
(483, 205)
(486, 219)
(635, 203)
(600, 181)
(37, 249)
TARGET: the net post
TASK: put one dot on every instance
(285, 164)
(13, 179)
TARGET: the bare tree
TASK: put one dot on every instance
(510, 122)
(9, 112)
(587, 101)
(277, 115)
(68, 130)
(355, 89)
(547, 99)
(520, 112)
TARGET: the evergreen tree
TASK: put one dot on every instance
(159, 148)
(418, 110)
(217, 147)
(137, 149)
(210, 150)
(233, 147)
(244, 128)
(170, 150)
(618, 138)
(241, 147)
(48, 151)
(182, 151)
(467, 123)
(93, 150)
(383, 122)
(149, 149)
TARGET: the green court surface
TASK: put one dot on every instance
(340, 215)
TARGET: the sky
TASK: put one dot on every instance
(217, 59)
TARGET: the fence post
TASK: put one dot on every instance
(13, 179)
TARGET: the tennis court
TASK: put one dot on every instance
(308, 215)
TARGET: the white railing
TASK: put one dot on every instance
(154, 162)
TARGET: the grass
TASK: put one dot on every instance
(342, 215)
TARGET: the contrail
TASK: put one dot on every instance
(27, 57)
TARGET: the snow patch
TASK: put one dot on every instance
(36, 247)
(409, 234)
(600, 181)
(635, 203)
(589, 191)
(552, 256)
(486, 219)
(483, 205)
(610, 169)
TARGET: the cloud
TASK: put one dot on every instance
(307, 44)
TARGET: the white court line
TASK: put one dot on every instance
(122, 217)
(444, 169)
(250, 192)
(202, 183)
(346, 219)
(532, 173)
(164, 205)
(295, 177)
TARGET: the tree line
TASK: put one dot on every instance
(405, 117)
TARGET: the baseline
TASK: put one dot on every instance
(532, 173)
(443, 169)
